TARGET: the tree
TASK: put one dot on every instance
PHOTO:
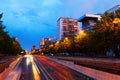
(8, 45)
(108, 32)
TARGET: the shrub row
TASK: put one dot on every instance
(99, 64)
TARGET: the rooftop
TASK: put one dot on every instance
(89, 16)
(66, 18)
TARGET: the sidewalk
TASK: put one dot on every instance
(8, 71)
(97, 74)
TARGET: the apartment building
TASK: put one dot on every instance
(89, 20)
(67, 27)
(44, 42)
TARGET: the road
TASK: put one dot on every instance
(43, 68)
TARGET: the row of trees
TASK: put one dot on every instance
(104, 37)
(8, 45)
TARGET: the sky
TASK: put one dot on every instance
(32, 20)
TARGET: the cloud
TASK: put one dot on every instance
(32, 19)
(32, 11)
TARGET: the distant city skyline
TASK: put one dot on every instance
(32, 20)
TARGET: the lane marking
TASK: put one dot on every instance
(36, 67)
(45, 72)
(46, 78)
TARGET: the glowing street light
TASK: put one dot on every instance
(116, 20)
(66, 38)
(51, 45)
(81, 32)
(57, 42)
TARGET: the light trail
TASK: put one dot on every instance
(35, 70)
(14, 75)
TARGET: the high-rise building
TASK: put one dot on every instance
(88, 21)
(33, 49)
(67, 27)
(44, 42)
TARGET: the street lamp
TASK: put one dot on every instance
(81, 32)
(116, 20)
(66, 38)
(57, 42)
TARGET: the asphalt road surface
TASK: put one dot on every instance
(43, 68)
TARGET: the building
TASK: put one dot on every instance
(113, 9)
(33, 49)
(44, 42)
(67, 27)
(89, 20)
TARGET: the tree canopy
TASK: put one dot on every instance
(103, 37)
(8, 45)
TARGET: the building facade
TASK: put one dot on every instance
(44, 42)
(67, 27)
(88, 21)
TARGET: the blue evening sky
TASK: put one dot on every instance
(32, 20)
